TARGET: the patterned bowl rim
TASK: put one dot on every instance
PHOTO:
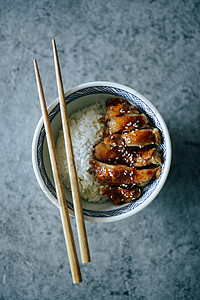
(103, 87)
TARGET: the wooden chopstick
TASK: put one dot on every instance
(73, 260)
(83, 243)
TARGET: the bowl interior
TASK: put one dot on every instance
(78, 99)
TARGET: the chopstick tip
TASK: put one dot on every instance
(35, 63)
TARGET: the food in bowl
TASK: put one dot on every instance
(83, 96)
(85, 132)
(116, 151)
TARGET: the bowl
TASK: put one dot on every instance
(80, 97)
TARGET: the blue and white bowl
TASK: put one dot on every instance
(80, 97)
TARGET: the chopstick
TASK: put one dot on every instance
(73, 260)
(82, 237)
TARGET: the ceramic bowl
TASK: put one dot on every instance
(77, 98)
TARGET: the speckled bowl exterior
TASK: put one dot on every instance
(77, 98)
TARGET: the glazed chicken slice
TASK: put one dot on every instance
(142, 137)
(114, 140)
(136, 138)
(124, 155)
(120, 195)
(117, 107)
(107, 153)
(126, 122)
(112, 175)
(146, 157)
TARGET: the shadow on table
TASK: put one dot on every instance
(183, 182)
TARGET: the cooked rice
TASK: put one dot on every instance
(85, 132)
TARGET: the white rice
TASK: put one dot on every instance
(85, 132)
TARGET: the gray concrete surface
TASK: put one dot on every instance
(151, 46)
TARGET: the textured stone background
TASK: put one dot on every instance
(151, 46)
